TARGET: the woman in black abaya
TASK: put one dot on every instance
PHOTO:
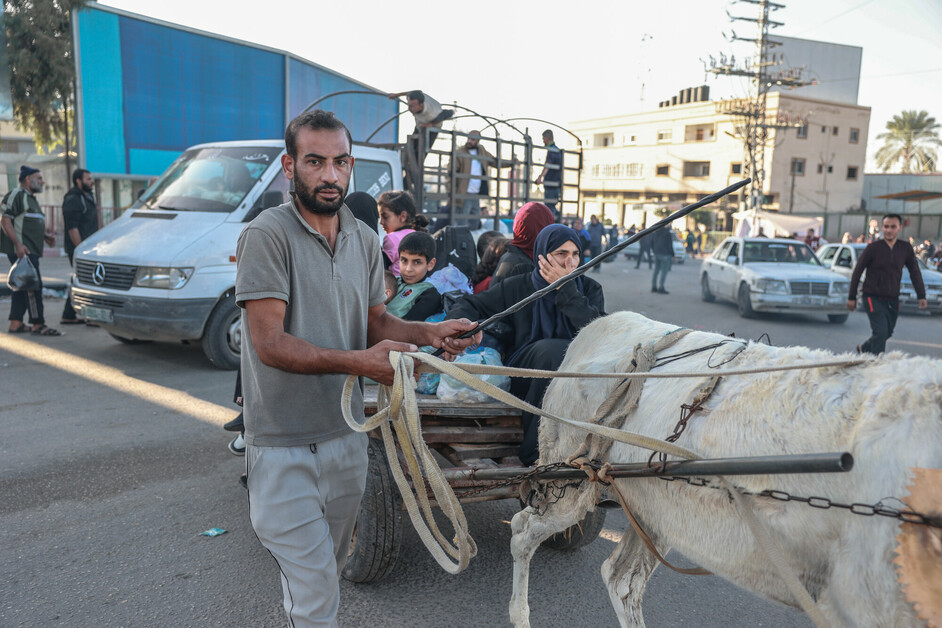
(543, 330)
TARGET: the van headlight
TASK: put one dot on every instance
(772, 286)
(839, 288)
(162, 277)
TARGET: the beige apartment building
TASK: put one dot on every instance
(635, 164)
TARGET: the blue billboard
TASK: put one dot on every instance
(148, 90)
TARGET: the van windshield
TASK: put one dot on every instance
(210, 179)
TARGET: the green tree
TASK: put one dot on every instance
(42, 69)
(909, 142)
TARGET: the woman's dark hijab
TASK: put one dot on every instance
(364, 208)
(548, 321)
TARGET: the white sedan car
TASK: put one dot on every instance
(773, 275)
(842, 259)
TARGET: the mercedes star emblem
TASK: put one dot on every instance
(98, 277)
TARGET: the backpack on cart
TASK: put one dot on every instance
(455, 245)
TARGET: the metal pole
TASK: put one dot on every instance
(838, 462)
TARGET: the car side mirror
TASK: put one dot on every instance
(733, 259)
(844, 262)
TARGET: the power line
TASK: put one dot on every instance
(831, 19)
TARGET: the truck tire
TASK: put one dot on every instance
(377, 536)
(837, 319)
(222, 340)
(745, 302)
(579, 535)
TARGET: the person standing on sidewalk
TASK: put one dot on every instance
(884, 260)
(24, 232)
(596, 231)
(80, 215)
(663, 248)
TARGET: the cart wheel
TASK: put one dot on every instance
(579, 535)
(377, 536)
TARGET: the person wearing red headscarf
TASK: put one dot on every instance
(518, 260)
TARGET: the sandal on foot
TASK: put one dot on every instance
(22, 329)
(46, 331)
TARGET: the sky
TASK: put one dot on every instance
(565, 61)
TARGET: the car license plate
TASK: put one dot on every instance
(99, 314)
(808, 300)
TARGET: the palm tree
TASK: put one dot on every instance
(910, 142)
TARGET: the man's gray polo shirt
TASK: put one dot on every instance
(327, 295)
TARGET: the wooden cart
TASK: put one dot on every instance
(461, 436)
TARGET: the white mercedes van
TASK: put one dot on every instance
(165, 270)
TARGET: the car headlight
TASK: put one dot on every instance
(840, 288)
(162, 277)
(775, 286)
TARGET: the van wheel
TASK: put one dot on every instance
(837, 318)
(222, 340)
(745, 302)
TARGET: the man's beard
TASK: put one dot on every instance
(87, 188)
(307, 197)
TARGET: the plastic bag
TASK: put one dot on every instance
(23, 275)
(451, 390)
(428, 382)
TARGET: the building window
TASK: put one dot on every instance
(664, 135)
(834, 130)
(601, 140)
(699, 132)
(696, 168)
(798, 166)
(851, 173)
(854, 136)
(663, 170)
(824, 129)
(595, 171)
(803, 132)
(735, 168)
(629, 139)
(634, 170)
(820, 168)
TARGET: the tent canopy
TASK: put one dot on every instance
(774, 224)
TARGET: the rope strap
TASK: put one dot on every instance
(402, 412)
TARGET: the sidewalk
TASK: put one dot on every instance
(55, 270)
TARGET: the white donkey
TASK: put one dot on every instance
(886, 412)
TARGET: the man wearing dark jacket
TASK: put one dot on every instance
(80, 215)
(884, 260)
(662, 245)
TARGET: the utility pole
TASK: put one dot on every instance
(753, 124)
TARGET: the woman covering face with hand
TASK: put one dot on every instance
(543, 330)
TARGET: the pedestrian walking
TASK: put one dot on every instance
(884, 260)
(310, 279)
(663, 248)
(23, 234)
(596, 232)
(644, 252)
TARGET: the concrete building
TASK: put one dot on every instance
(916, 197)
(635, 164)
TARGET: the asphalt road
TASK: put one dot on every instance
(113, 461)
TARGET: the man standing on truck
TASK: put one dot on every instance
(552, 174)
(24, 232)
(428, 114)
(80, 215)
(884, 260)
(310, 280)
(472, 161)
